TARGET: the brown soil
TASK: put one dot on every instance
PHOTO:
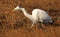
(15, 24)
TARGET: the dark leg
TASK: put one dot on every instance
(41, 26)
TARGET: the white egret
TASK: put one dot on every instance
(37, 15)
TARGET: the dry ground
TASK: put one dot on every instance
(15, 24)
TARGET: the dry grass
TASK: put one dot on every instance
(15, 24)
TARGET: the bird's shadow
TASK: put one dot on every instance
(55, 24)
(48, 25)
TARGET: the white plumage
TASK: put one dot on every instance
(37, 15)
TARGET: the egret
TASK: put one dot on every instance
(37, 15)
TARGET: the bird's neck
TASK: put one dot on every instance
(27, 14)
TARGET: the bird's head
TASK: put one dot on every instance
(18, 8)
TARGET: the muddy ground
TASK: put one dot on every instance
(15, 24)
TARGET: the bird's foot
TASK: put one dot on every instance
(32, 26)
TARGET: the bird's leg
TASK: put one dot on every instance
(42, 26)
(32, 24)
(32, 27)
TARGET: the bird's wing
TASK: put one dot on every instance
(42, 16)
